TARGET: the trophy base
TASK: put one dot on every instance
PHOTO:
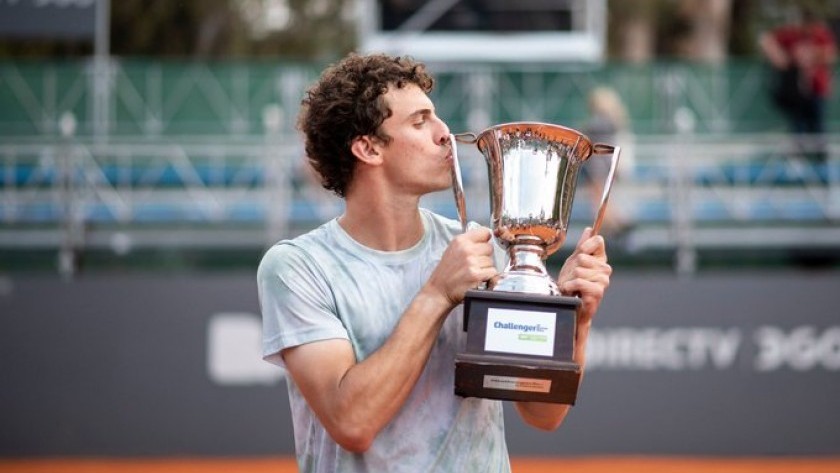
(519, 347)
(516, 379)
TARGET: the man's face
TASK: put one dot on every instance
(418, 158)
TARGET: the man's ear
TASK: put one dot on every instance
(366, 149)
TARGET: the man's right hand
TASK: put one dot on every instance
(466, 263)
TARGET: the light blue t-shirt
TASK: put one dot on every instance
(325, 285)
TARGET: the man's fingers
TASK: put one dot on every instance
(477, 241)
(585, 260)
(586, 289)
(481, 234)
(587, 232)
(587, 268)
(591, 245)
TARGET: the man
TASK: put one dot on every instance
(364, 312)
(802, 53)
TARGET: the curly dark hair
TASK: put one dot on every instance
(346, 103)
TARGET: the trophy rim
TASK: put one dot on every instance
(551, 131)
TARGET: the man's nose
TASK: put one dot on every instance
(445, 133)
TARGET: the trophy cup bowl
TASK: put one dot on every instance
(532, 169)
(520, 329)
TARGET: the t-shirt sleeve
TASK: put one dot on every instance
(296, 302)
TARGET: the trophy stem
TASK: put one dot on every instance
(526, 272)
(528, 258)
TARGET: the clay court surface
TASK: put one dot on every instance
(520, 465)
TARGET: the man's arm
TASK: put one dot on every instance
(355, 400)
(827, 54)
(773, 51)
(587, 274)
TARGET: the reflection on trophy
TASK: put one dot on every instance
(520, 330)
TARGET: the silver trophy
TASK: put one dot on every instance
(520, 328)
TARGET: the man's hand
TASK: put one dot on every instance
(466, 263)
(586, 273)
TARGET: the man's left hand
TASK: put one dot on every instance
(586, 274)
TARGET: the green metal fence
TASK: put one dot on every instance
(134, 97)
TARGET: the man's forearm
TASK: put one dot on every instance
(549, 416)
(372, 391)
(542, 415)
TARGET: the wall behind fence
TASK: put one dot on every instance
(719, 364)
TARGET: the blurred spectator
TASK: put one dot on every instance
(802, 54)
(607, 123)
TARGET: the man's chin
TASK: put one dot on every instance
(443, 187)
(441, 184)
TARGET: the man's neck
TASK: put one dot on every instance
(383, 225)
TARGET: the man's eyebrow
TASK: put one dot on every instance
(422, 111)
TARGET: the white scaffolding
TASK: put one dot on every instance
(686, 194)
(203, 156)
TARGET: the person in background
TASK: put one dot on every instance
(365, 312)
(802, 54)
(607, 123)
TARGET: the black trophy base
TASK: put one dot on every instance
(516, 379)
(492, 368)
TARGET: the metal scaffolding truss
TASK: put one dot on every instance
(153, 98)
(118, 182)
(693, 193)
(34, 97)
(149, 98)
(717, 99)
(124, 155)
(685, 193)
(123, 195)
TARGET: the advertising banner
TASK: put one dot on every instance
(727, 364)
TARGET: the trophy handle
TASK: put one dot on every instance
(466, 138)
(458, 183)
(600, 148)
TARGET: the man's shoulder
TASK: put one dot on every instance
(440, 223)
(301, 249)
